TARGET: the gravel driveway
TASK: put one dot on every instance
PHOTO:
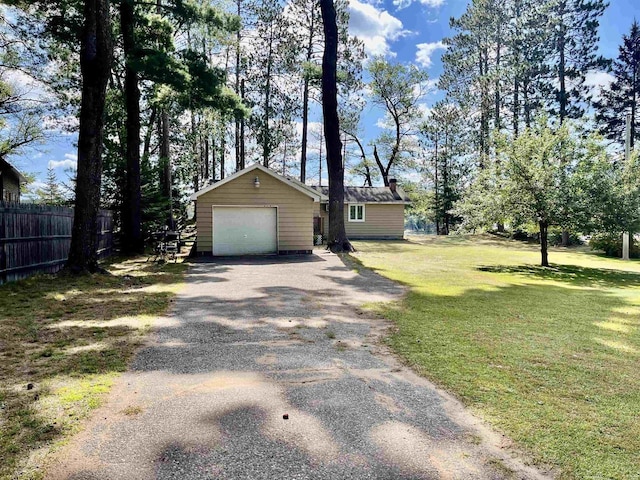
(250, 341)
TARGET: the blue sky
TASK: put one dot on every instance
(405, 30)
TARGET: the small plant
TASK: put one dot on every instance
(132, 411)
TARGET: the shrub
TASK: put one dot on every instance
(611, 245)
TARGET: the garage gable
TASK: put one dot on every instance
(257, 169)
(255, 211)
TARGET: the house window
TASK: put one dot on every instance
(356, 213)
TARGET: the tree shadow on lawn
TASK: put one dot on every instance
(551, 365)
(573, 274)
(60, 326)
(532, 356)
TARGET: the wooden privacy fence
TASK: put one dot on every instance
(36, 238)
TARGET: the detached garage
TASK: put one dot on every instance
(255, 212)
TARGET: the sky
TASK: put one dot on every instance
(408, 31)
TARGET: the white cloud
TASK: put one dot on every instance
(26, 86)
(596, 81)
(376, 28)
(384, 122)
(70, 161)
(400, 4)
(426, 51)
(425, 110)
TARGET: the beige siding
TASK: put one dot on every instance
(10, 187)
(381, 221)
(295, 209)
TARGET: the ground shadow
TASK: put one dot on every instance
(583, 276)
(54, 326)
(257, 259)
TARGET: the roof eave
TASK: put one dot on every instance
(256, 166)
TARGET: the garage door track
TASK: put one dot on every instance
(267, 368)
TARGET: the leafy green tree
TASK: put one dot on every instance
(543, 182)
(419, 215)
(397, 89)
(21, 113)
(622, 97)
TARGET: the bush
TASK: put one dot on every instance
(611, 245)
(555, 238)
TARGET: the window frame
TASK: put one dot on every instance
(355, 219)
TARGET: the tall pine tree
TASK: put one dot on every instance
(621, 98)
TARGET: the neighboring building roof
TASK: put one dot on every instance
(368, 195)
(309, 191)
(4, 165)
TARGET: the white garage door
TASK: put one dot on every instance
(244, 230)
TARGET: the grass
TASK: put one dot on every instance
(63, 341)
(548, 356)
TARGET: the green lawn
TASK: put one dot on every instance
(551, 357)
(63, 341)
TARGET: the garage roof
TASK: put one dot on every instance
(301, 187)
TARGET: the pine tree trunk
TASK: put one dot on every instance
(266, 141)
(436, 186)
(132, 241)
(166, 180)
(527, 103)
(242, 144)
(96, 53)
(305, 127)
(305, 107)
(337, 241)
(237, 90)
(516, 78)
(207, 171)
(223, 149)
(562, 78)
(146, 146)
(544, 243)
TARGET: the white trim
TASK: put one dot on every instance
(256, 166)
(364, 215)
(249, 206)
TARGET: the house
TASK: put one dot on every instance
(373, 213)
(256, 211)
(10, 181)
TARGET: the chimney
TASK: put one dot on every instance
(392, 184)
